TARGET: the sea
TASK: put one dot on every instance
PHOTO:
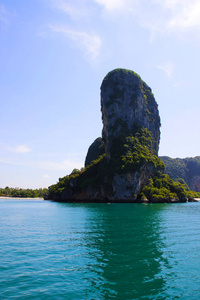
(51, 250)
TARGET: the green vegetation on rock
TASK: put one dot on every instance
(186, 168)
(109, 79)
(163, 189)
(123, 165)
(128, 155)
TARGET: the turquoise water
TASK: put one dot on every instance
(99, 251)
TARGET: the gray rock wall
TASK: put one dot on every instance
(127, 101)
(130, 140)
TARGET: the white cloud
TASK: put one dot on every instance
(74, 8)
(157, 15)
(66, 165)
(123, 8)
(167, 68)
(46, 176)
(173, 16)
(21, 149)
(187, 17)
(91, 43)
(112, 4)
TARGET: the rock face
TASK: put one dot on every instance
(119, 165)
(128, 186)
(186, 168)
(126, 102)
(127, 105)
(95, 150)
(195, 183)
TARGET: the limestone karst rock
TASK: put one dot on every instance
(95, 150)
(130, 139)
(127, 101)
(127, 105)
(186, 168)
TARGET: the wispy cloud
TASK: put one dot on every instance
(21, 149)
(110, 5)
(186, 16)
(167, 68)
(3, 15)
(74, 8)
(66, 165)
(157, 15)
(89, 43)
(46, 176)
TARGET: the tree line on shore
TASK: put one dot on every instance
(22, 193)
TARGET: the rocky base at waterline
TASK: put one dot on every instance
(123, 165)
(159, 189)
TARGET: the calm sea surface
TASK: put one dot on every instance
(54, 250)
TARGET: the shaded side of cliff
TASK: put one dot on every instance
(187, 169)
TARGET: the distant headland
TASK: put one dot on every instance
(9, 192)
(123, 165)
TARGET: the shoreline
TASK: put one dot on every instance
(29, 198)
(89, 201)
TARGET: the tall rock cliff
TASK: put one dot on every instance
(131, 133)
(126, 103)
(130, 141)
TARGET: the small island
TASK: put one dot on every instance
(123, 165)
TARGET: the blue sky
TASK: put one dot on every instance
(54, 55)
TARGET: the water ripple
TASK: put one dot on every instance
(98, 251)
